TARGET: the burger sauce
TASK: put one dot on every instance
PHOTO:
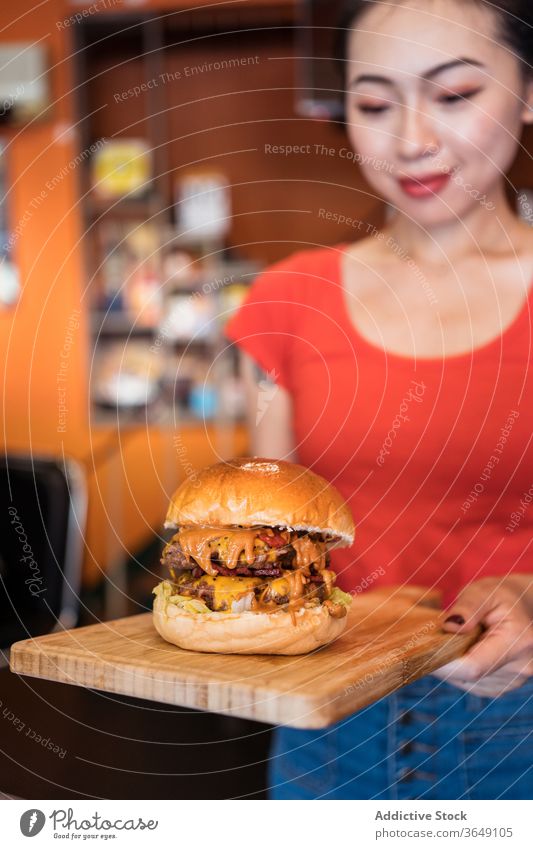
(196, 543)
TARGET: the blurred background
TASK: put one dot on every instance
(155, 155)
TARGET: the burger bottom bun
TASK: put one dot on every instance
(247, 633)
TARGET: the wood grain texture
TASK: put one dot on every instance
(392, 638)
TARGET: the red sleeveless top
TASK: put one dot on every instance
(434, 455)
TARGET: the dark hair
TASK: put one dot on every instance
(515, 19)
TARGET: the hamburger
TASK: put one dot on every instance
(249, 562)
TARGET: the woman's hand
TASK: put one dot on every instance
(502, 659)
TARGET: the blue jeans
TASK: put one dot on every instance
(428, 740)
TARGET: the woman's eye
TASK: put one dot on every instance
(457, 97)
(372, 108)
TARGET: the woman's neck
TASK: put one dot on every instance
(483, 231)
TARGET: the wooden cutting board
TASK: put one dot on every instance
(392, 637)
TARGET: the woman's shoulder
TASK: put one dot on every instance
(295, 272)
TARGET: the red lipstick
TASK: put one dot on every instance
(425, 186)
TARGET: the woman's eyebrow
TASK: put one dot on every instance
(376, 78)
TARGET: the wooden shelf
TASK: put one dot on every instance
(142, 208)
(118, 323)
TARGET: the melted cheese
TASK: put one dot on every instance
(292, 584)
(227, 590)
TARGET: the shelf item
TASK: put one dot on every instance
(24, 82)
(143, 299)
(189, 317)
(129, 274)
(126, 375)
(203, 204)
(231, 297)
(203, 401)
(180, 268)
(121, 168)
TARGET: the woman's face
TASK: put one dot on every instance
(432, 91)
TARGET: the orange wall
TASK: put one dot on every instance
(47, 251)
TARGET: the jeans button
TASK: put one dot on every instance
(405, 774)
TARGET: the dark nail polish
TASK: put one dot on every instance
(457, 619)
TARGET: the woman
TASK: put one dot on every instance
(399, 367)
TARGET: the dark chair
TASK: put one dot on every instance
(161, 751)
(43, 506)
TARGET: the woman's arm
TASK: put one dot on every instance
(269, 413)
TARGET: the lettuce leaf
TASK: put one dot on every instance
(191, 605)
(339, 597)
(167, 591)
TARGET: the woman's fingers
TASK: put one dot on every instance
(475, 604)
(490, 652)
(493, 649)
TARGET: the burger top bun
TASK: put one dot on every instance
(247, 633)
(254, 491)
